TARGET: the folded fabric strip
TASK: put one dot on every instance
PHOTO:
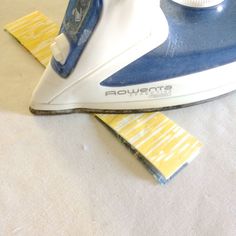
(35, 32)
(163, 146)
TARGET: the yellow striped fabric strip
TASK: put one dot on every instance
(164, 146)
(162, 142)
(35, 32)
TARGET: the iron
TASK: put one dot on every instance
(133, 56)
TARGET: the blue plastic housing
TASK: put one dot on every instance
(78, 25)
(199, 39)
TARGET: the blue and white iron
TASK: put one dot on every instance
(135, 55)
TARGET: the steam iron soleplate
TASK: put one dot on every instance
(116, 111)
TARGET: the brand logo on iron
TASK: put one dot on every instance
(161, 91)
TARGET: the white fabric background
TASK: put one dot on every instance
(68, 175)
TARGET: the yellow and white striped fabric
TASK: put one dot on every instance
(35, 32)
(162, 142)
(164, 145)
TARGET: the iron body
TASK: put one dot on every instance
(130, 56)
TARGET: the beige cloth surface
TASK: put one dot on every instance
(68, 175)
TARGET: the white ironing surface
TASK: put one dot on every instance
(67, 175)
